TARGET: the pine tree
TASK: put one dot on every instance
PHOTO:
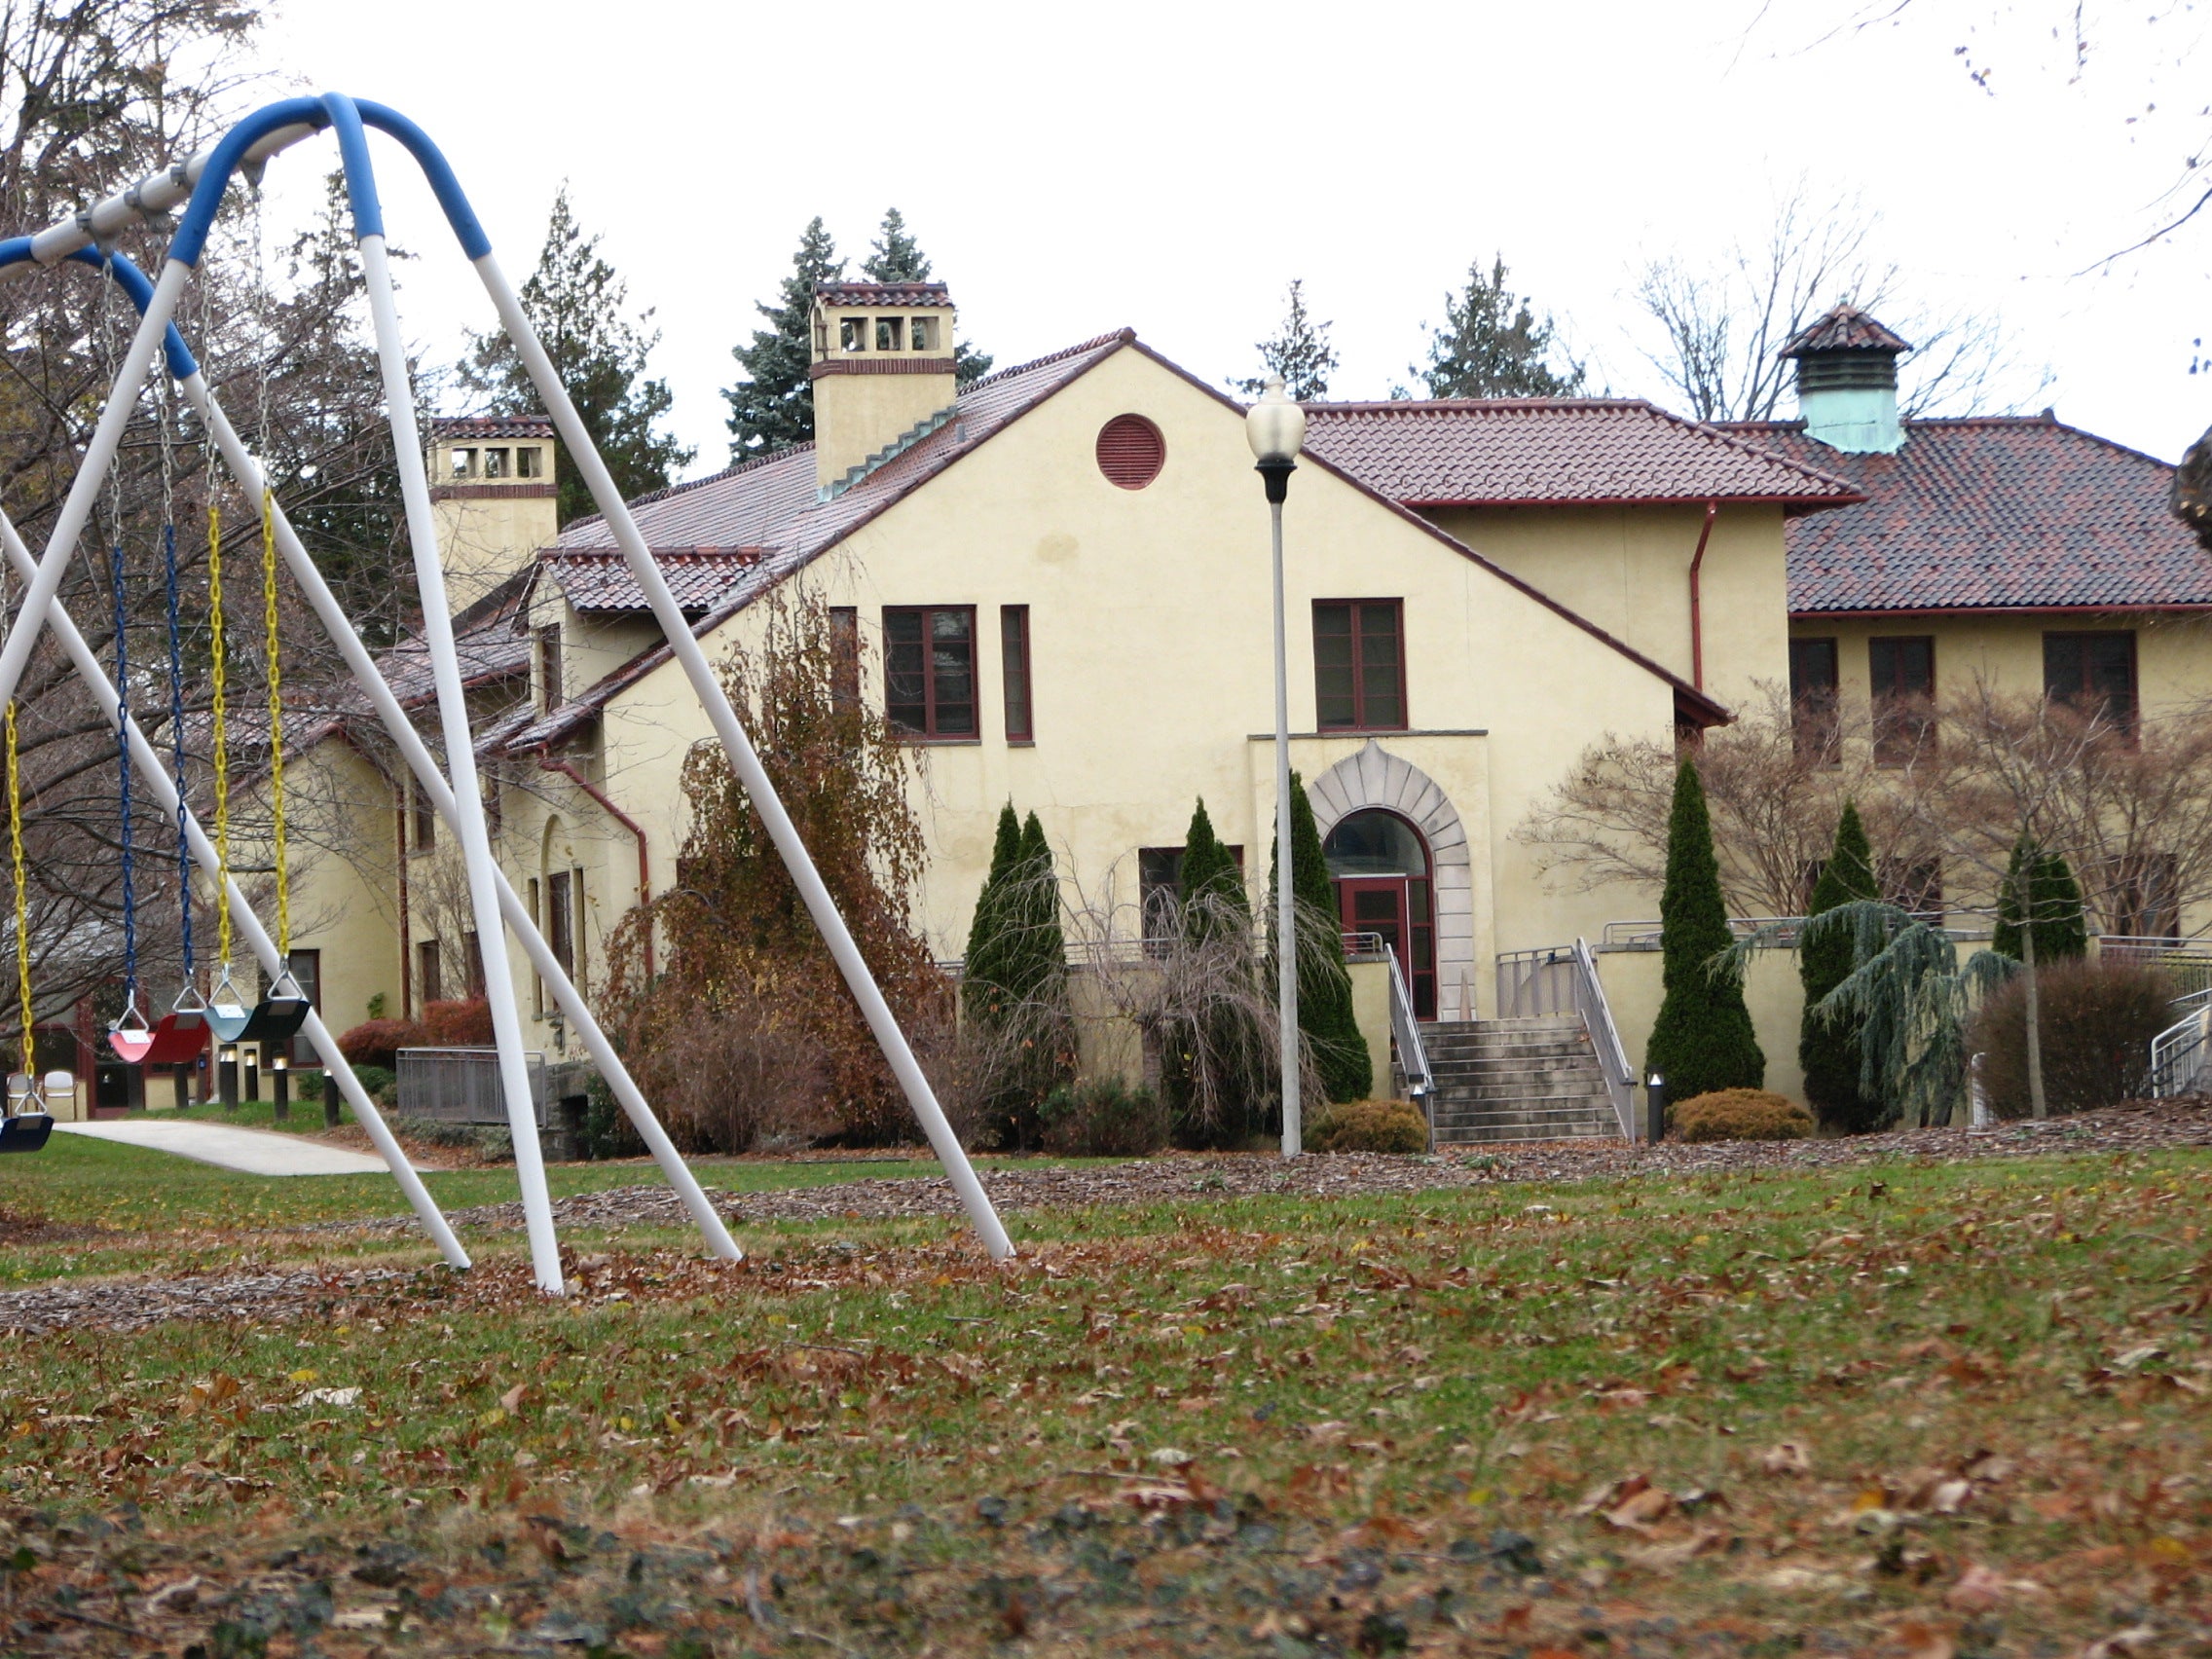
(985, 972)
(772, 408)
(576, 301)
(2053, 899)
(1703, 1040)
(895, 256)
(1324, 989)
(1830, 1050)
(1491, 345)
(1300, 352)
(1042, 977)
(1214, 899)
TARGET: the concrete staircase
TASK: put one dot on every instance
(1515, 1079)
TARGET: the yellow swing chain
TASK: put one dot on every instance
(23, 891)
(276, 719)
(222, 742)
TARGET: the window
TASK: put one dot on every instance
(1359, 670)
(561, 921)
(1014, 659)
(537, 981)
(549, 667)
(495, 463)
(307, 974)
(464, 463)
(844, 658)
(890, 333)
(473, 964)
(1912, 884)
(530, 463)
(425, 818)
(1902, 675)
(429, 989)
(1813, 697)
(852, 333)
(2093, 674)
(1130, 451)
(2139, 900)
(929, 670)
(921, 331)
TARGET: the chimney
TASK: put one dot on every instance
(492, 490)
(882, 368)
(1847, 381)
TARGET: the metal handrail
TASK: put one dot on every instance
(2177, 1054)
(1780, 930)
(1605, 1038)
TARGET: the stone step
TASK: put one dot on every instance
(1475, 1135)
(1524, 1106)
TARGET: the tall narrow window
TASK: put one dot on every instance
(472, 968)
(537, 920)
(428, 985)
(1813, 698)
(307, 974)
(844, 658)
(929, 670)
(1014, 659)
(1359, 668)
(425, 816)
(561, 921)
(2094, 674)
(548, 641)
(1902, 673)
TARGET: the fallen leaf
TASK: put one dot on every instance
(1639, 1512)
(1982, 1588)
(2123, 1644)
(1923, 1641)
(1788, 1459)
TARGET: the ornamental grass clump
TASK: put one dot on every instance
(1741, 1115)
(1369, 1125)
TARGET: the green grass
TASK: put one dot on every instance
(1326, 1421)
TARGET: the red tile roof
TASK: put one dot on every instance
(596, 580)
(1991, 514)
(1552, 452)
(883, 293)
(491, 426)
(1846, 328)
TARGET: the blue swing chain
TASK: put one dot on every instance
(176, 731)
(123, 768)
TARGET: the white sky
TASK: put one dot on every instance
(1170, 167)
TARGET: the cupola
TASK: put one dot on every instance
(1847, 381)
(495, 497)
(882, 369)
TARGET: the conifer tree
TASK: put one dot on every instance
(1014, 983)
(1214, 899)
(1042, 979)
(1300, 352)
(576, 301)
(1212, 1073)
(1491, 345)
(1324, 989)
(2054, 898)
(1703, 1040)
(1831, 1050)
(773, 407)
(985, 971)
(895, 256)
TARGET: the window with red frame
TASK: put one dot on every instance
(2092, 673)
(1903, 673)
(1013, 661)
(1359, 664)
(929, 670)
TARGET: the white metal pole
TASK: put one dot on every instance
(45, 578)
(432, 781)
(1286, 890)
(749, 772)
(461, 762)
(155, 772)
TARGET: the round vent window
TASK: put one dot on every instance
(1130, 451)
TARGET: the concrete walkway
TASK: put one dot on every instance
(249, 1152)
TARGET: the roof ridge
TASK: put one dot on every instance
(1125, 336)
(1417, 405)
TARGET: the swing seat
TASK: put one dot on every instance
(275, 1020)
(228, 1020)
(178, 1038)
(26, 1131)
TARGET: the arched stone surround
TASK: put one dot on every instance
(1377, 778)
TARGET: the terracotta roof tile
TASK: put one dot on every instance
(491, 426)
(599, 581)
(1846, 328)
(1552, 452)
(883, 293)
(1991, 513)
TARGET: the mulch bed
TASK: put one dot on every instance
(131, 1304)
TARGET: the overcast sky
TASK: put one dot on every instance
(1170, 167)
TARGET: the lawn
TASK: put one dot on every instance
(1923, 1410)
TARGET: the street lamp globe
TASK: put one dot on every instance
(1276, 428)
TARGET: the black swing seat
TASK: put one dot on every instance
(26, 1131)
(274, 1019)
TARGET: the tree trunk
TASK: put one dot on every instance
(2037, 1109)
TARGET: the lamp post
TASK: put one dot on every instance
(1276, 428)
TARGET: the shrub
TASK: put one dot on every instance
(1102, 1118)
(375, 1080)
(2097, 1018)
(377, 1041)
(1703, 1040)
(607, 1132)
(308, 1086)
(459, 1024)
(1741, 1115)
(1369, 1126)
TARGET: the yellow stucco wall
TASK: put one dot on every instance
(483, 539)
(1772, 991)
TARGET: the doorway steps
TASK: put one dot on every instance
(1515, 1079)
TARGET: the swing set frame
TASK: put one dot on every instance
(198, 185)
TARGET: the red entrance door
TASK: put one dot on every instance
(1387, 904)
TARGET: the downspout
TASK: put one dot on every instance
(406, 944)
(546, 762)
(1697, 612)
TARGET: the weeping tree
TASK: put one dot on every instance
(1828, 1046)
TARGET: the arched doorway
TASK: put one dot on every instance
(1385, 885)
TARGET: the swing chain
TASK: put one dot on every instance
(22, 892)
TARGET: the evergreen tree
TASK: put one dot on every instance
(1703, 1040)
(1831, 1050)
(1491, 345)
(1213, 1071)
(2054, 901)
(1324, 989)
(985, 970)
(1214, 899)
(576, 301)
(1014, 984)
(895, 256)
(1300, 352)
(773, 407)
(1042, 979)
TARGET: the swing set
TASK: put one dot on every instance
(198, 186)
